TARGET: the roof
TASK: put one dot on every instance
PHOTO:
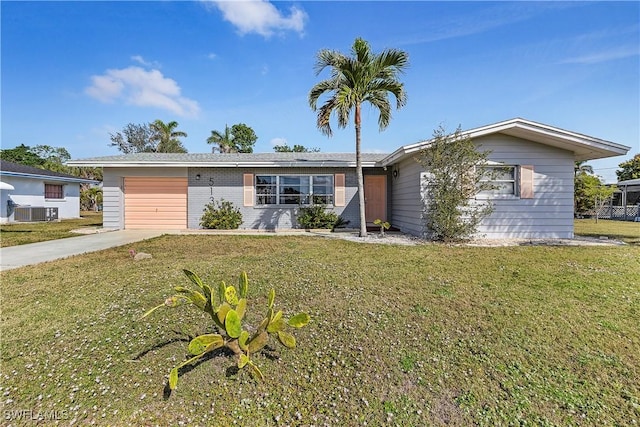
(24, 171)
(630, 182)
(231, 160)
(584, 147)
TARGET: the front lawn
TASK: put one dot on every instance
(405, 335)
(627, 231)
(31, 232)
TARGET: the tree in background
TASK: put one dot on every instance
(90, 198)
(221, 141)
(582, 167)
(362, 77)
(167, 137)
(49, 158)
(156, 137)
(591, 194)
(455, 173)
(295, 149)
(240, 138)
(134, 138)
(22, 154)
(630, 169)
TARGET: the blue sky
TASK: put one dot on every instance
(74, 72)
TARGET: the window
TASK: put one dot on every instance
(53, 191)
(294, 189)
(502, 178)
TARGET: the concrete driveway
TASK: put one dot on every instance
(35, 253)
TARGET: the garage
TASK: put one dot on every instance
(155, 203)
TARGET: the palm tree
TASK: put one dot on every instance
(224, 141)
(362, 77)
(167, 137)
(582, 167)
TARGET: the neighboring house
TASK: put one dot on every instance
(153, 190)
(626, 202)
(27, 186)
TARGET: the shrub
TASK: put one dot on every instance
(221, 215)
(227, 310)
(317, 216)
(455, 174)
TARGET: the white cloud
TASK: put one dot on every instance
(483, 20)
(604, 56)
(140, 60)
(212, 56)
(144, 88)
(260, 16)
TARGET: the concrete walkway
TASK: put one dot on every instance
(35, 253)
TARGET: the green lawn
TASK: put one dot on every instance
(626, 231)
(406, 335)
(32, 232)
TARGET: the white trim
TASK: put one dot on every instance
(584, 147)
(203, 164)
(49, 177)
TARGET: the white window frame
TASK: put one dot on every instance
(494, 194)
(308, 197)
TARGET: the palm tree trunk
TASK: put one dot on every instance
(363, 220)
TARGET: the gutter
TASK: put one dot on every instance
(151, 164)
(49, 177)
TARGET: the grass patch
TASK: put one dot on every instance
(32, 232)
(405, 335)
(626, 231)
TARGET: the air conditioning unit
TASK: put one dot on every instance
(34, 213)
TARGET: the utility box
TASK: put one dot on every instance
(35, 213)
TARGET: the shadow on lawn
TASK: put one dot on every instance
(233, 370)
(221, 352)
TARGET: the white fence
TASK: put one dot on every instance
(624, 213)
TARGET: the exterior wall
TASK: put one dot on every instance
(30, 192)
(113, 190)
(549, 214)
(406, 199)
(227, 184)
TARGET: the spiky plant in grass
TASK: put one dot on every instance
(228, 313)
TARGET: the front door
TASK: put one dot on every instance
(375, 197)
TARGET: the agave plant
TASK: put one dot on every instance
(227, 309)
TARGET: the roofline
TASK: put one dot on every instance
(518, 123)
(227, 164)
(48, 177)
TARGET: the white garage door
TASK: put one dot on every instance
(156, 203)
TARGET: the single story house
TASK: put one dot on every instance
(154, 190)
(626, 202)
(28, 193)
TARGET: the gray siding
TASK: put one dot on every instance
(548, 215)
(406, 201)
(227, 184)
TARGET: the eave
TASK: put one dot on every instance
(49, 177)
(583, 147)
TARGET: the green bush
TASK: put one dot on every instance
(221, 215)
(317, 216)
